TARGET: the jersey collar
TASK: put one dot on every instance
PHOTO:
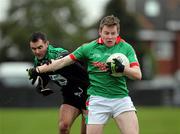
(100, 40)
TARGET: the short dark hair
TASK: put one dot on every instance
(110, 20)
(38, 35)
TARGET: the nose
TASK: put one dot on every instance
(109, 36)
(36, 51)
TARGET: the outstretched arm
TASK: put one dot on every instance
(55, 65)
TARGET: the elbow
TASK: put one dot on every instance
(138, 76)
(134, 73)
(135, 77)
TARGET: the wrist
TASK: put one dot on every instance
(120, 68)
(37, 70)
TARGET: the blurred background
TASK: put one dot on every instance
(151, 26)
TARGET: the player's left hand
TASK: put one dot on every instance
(41, 86)
(33, 74)
(115, 67)
(44, 91)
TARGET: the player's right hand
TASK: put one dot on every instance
(33, 74)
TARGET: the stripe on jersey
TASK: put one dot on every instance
(72, 57)
(134, 64)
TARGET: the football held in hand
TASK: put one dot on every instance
(122, 58)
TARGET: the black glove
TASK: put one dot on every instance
(41, 87)
(115, 67)
(46, 91)
(32, 73)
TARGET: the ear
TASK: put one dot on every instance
(47, 43)
(100, 32)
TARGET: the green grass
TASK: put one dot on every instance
(159, 120)
(152, 120)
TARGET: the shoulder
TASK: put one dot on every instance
(90, 45)
(52, 49)
(125, 44)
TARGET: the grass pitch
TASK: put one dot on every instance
(152, 120)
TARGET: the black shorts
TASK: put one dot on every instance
(75, 96)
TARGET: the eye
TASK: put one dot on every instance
(33, 48)
(113, 33)
(106, 33)
(40, 47)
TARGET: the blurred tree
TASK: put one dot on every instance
(59, 19)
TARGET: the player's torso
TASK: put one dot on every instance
(102, 83)
(98, 55)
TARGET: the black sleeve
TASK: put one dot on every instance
(62, 54)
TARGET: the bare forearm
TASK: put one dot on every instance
(133, 73)
(55, 65)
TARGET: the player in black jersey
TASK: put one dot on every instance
(72, 79)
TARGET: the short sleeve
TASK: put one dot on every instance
(81, 52)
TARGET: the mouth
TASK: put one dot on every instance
(109, 42)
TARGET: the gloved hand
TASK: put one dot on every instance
(41, 87)
(115, 67)
(46, 91)
(33, 74)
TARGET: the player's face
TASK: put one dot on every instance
(39, 48)
(109, 35)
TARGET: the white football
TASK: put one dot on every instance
(124, 60)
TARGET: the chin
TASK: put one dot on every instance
(39, 58)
